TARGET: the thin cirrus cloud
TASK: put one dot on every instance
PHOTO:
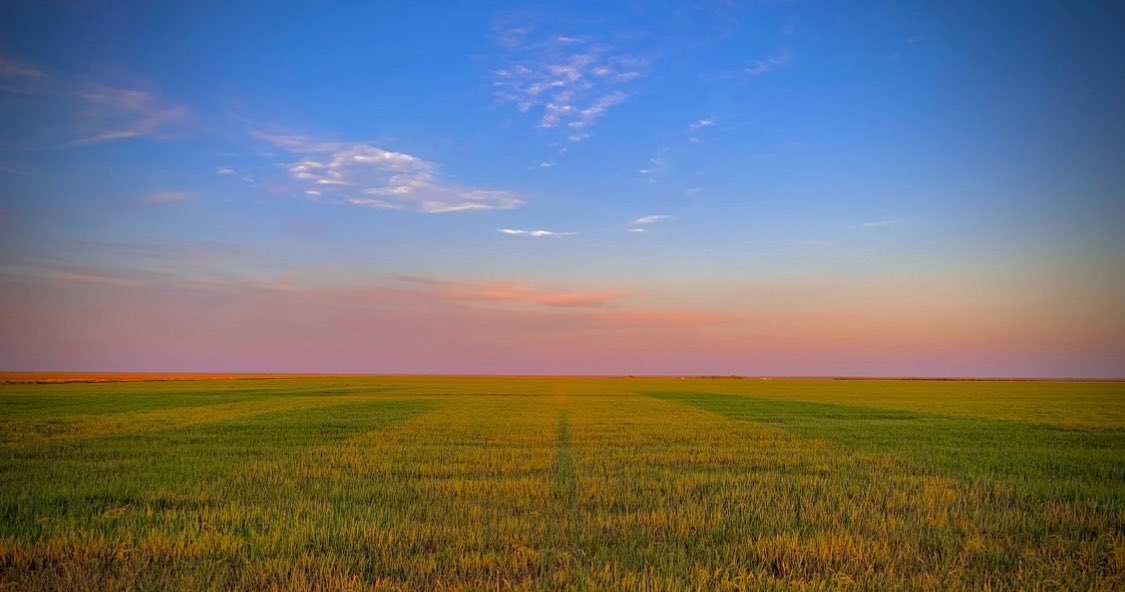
(651, 219)
(534, 233)
(702, 123)
(879, 224)
(771, 62)
(101, 112)
(640, 225)
(698, 125)
(115, 113)
(569, 83)
(655, 167)
(11, 68)
(509, 292)
(361, 174)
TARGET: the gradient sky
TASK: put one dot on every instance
(773, 187)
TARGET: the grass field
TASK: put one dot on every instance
(355, 483)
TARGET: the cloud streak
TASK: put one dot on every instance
(651, 219)
(510, 292)
(769, 63)
(123, 113)
(702, 123)
(96, 113)
(10, 68)
(535, 233)
(640, 225)
(656, 165)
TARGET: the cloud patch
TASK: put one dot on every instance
(362, 174)
(566, 82)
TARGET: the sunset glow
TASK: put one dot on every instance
(770, 188)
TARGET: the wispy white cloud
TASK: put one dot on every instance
(656, 165)
(693, 191)
(101, 112)
(769, 63)
(568, 82)
(365, 202)
(535, 233)
(879, 224)
(123, 113)
(365, 175)
(10, 68)
(702, 123)
(225, 171)
(651, 219)
(698, 126)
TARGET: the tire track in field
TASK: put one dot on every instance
(564, 485)
(561, 555)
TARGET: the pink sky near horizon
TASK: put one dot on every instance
(751, 188)
(92, 321)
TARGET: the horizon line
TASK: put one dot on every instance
(62, 376)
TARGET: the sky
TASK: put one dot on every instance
(884, 188)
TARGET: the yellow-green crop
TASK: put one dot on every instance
(397, 483)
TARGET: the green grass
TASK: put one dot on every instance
(403, 483)
(1053, 462)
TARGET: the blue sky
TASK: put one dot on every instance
(951, 171)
